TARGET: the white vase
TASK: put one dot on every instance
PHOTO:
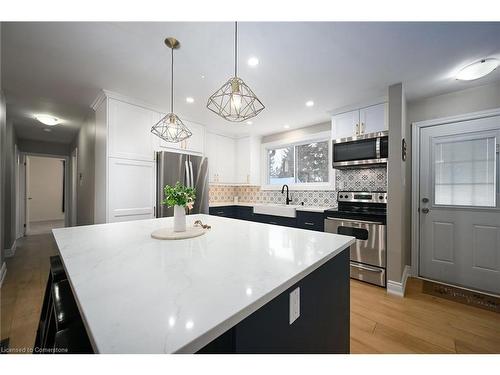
(179, 219)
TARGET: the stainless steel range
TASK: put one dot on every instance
(362, 214)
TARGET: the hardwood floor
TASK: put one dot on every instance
(418, 323)
(380, 323)
(22, 290)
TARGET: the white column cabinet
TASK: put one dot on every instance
(125, 157)
(360, 121)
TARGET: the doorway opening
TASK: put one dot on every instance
(46, 194)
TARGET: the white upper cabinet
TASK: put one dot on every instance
(221, 154)
(248, 160)
(345, 124)
(373, 119)
(360, 121)
(129, 131)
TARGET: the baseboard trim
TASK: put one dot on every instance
(12, 251)
(398, 288)
(3, 272)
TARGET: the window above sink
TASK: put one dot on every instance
(302, 163)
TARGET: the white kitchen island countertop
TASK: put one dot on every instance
(141, 295)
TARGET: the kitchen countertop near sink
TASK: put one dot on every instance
(251, 204)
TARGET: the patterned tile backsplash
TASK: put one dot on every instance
(348, 179)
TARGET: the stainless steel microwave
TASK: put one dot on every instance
(361, 151)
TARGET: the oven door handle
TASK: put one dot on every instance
(355, 221)
(366, 268)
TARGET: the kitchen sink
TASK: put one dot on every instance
(276, 209)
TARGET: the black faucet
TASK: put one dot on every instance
(288, 199)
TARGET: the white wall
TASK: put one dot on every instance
(85, 144)
(45, 188)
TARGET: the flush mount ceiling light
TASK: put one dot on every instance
(190, 100)
(48, 120)
(235, 101)
(170, 128)
(477, 70)
(309, 103)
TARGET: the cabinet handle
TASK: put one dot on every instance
(362, 130)
(273, 222)
(308, 223)
(357, 129)
(220, 212)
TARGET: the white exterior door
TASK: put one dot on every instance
(459, 204)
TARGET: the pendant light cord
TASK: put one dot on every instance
(236, 49)
(172, 84)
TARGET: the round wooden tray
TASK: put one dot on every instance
(169, 234)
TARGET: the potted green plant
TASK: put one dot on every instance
(179, 197)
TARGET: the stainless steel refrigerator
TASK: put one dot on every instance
(189, 170)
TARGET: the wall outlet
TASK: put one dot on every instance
(294, 305)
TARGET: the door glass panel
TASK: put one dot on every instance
(464, 172)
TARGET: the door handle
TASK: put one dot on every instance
(30, 198)
(425, 210)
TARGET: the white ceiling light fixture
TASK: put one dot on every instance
(309, 103)
(249, 122)
(189, 100)
(235, 101)
(477, 70)
(286, 126)
(171, 128)
(253, 61)
(48, 120)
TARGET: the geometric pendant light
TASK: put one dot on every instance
(235, 101)
(170, 128)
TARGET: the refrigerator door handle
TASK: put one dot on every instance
(191, 174)
(186, 169)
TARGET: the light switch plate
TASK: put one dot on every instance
(294, 305)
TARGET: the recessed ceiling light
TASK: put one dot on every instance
(286, 126)
(48, 119)
(47, 130)
(478, 69)
(253, 61)
(202, 76)
(249, 122)
(189, 99)
(309, 103)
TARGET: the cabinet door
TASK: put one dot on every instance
(211, 154)
(373, 119)
(345, 124)
(243, 160)
(196, 142)
(131, 190)
(226, 159)
(129, 131)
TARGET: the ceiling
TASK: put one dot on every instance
(59, 68)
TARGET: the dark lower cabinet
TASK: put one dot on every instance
(311, 220)
(225, 211)
(305, 220)
(322, 327)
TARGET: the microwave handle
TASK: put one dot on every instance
(377, 148)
